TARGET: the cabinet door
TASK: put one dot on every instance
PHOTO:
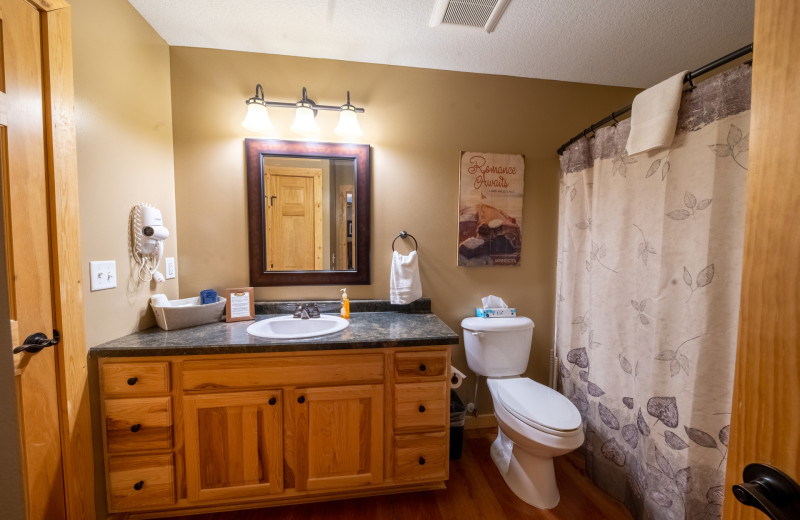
(234, 444)
(339, 436)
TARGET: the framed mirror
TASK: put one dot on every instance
(308, 212)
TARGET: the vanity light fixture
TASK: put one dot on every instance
(257, 119)
(348, 121)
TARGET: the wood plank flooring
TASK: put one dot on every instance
(475, 491)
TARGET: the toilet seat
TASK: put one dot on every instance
(537, 406)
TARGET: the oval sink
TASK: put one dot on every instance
(287, 327)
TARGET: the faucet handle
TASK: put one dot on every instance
(298, 311)
(314, 312)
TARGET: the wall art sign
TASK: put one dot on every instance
(490, 208)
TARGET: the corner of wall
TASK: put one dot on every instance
(123, 111)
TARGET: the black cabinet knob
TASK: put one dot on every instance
(136, 427)
(132, 380)
(421, 408)
(422, 461)
(422, 367)
(138, 485)
(272, 401)
(301, 399)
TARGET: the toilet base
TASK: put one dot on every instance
(531, 478)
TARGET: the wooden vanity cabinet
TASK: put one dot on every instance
(252, 430)
(233, 444)
(339, 436)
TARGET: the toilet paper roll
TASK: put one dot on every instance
(457, 377)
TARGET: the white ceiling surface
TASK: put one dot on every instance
(634, 43)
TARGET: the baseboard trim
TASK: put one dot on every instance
(472, 422)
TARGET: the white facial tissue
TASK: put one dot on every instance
(493, 302)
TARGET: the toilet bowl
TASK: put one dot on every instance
(535, 426)
(535, 422)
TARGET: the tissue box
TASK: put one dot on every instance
(188, 312)
(495, 313)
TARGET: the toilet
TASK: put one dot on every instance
(536, 423)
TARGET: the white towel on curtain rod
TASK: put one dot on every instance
(654, 115)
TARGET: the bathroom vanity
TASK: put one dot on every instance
(211, 418)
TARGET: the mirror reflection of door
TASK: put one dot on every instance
(293, 200)
(309, 210)
(343, 258)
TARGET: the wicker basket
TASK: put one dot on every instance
(188, 312)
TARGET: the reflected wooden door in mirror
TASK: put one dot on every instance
(308, 212)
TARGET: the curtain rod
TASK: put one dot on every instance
(747, 49)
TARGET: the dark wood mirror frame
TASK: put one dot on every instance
(255, 152)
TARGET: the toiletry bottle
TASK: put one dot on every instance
(345, 312)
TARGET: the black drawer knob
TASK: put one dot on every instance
(422, 367)
(272, 401)
(422, 461)
(421, 408)
(301, 399)
(138, 485)
(136, 427)
(132, 380)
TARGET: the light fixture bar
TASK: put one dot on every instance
(259, 98)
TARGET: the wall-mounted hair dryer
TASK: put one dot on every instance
(147, 240)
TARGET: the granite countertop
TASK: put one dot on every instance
(366, 330)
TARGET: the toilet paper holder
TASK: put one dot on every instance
(456, 377)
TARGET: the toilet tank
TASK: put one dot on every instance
(497, 347)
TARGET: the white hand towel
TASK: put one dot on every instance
(404, 284)
(654, 115)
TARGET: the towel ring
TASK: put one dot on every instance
(405, 234)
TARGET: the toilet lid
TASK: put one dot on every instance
(537, 405)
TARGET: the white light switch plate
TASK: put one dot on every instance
(169, 263)
(103, 275)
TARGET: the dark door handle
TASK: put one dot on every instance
(769, 490)
(36, 342)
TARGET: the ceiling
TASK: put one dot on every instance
(634, 43)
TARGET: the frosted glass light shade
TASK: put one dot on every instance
(304, 122)
(257, 119)
(348, 124)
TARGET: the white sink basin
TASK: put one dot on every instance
(287, 327)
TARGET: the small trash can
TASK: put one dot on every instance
(457, 414)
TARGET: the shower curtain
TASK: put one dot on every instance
(649, 273)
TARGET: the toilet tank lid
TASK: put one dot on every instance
(496, 324)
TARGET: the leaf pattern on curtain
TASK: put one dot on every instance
(649, 271)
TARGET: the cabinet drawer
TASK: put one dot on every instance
(138, 424)
(136, 482)
(133, 379)
(420, 366)
(420, 406)
(282, 371)
(422, 456)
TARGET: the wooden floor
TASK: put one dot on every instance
(476, 490)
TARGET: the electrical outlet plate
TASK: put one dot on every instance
(103, 275)
(169, 264)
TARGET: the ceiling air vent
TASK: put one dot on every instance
(470, 13)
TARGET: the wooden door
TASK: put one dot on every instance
(234, 444)
(28, 254)
(294, 218)
(765, 425)
(338, 436)
(345, 229)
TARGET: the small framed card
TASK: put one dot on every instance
(241, 306)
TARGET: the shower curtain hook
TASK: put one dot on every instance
(689, 80)
(614, 118)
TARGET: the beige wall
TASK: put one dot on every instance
(124, 131)
(417, 121)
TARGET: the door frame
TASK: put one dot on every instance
(62, 173)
